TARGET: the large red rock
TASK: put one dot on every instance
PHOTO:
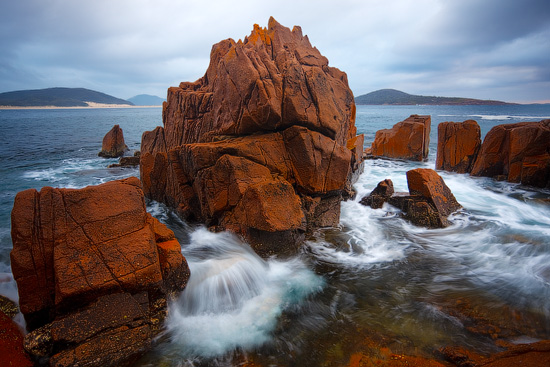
(11, 344)
(517, 153)
(269, 129)
(408, 139)
(458, 144)
(427, 183)
(74, 248)
(113, 143)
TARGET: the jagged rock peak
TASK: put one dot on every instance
(269, 129)
(273, 80)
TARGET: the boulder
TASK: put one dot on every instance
(381, 193)
(428, 203)
(427, 183)
(458, 144)
(517, 153)
(408, 139)
(126, 162)
(113, 144)
(93, 271)
(269, 130)
(11, 344)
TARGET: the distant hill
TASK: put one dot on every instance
(396, 97)
(146, 100)
(58, 97)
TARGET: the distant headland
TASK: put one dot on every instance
(396, 97)
(71, 98)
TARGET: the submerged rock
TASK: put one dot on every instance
(517, 153)
(458, 144)
(93, 271)
(408, 139)
(126, 162)
(264, 144)
(113, 143)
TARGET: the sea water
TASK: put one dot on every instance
(374, 277)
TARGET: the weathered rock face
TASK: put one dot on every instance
(517, 153)
(113, 143)
(93, 271)
(458, 144)
(264, 144)
(408, 139)
(428, 203)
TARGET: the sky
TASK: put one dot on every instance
(487, 49)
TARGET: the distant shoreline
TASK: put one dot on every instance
(91, 106)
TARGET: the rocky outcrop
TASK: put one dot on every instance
(93, 271)
(408, 139)
(428, 203)
(132, 161)
(113, 143)
(264, 144)
(458, 144)
(516, 153)
(381, 193)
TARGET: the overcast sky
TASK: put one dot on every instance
(490, 49)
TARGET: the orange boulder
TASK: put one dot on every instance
(408, 139)
(517, 153)
(457, 145)
(113, 143)
(427, 183)
(74, 247)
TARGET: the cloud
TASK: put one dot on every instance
(124, 47)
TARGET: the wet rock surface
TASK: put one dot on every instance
(264, 144)
(94, 271)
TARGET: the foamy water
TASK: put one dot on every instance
(233, 298)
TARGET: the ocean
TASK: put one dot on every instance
(375, 279)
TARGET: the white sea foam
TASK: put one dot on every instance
(510, 117)
(233, 298)
(78, 173)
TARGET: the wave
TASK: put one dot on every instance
(233, 298)
(510, 117)
(79, 172)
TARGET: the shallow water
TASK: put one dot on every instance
(374, 281)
